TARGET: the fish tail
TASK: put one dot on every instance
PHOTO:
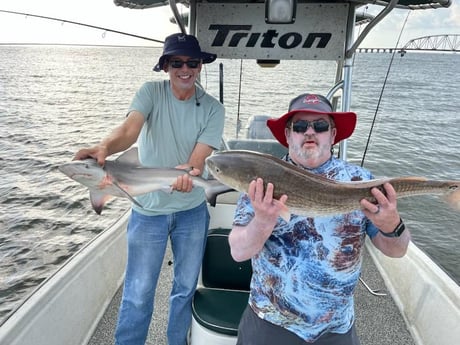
(453, 199)
(212, 199)
(213, 188)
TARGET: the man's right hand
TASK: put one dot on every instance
(98, 152)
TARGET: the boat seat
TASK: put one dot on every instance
(269, 146)
(223, 292)
(257, 127)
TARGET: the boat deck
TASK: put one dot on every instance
(378, 319)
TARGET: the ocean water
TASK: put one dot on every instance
(55, 100)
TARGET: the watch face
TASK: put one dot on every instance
(399, 229)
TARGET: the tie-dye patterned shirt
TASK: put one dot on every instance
(305, 276)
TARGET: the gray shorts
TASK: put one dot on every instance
(253, 330)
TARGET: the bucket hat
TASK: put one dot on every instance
(182, 44)
(345, 122)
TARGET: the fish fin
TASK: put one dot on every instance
(166, 189)
(286, 214)
(98, 200)
(127, 194)
(130, 156)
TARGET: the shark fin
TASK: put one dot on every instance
(127, 194)
(166, 189)
(98, 200)
(130, 156)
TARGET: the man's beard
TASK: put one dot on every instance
(311, 153)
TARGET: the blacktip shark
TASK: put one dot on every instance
(124, 177)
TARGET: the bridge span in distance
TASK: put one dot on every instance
(438, 43)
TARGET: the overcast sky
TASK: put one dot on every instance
(154, 23)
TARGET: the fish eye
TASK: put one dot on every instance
(454, 187)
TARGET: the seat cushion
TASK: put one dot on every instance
(219, 310)
(219, 269)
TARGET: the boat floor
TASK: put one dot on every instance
(378, 319)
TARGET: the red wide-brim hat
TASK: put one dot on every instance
(345, 122)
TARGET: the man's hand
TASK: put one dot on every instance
(98, 152)
(184, 183)
(384, 215)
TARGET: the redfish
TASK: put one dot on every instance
(313, 195)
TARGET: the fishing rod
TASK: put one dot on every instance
(82, 24)
(382, 90)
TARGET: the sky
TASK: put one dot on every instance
(154, 23)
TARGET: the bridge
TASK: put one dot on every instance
(375, 50)
(444, 43)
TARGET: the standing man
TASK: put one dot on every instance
(305, 270)
(176, 124)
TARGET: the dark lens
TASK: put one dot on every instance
(320, 126)
(300, 126)
(180, 63)
(193, 63)
(176, 63)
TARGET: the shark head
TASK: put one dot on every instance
(87, 172)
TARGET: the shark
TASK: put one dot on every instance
(125, 177)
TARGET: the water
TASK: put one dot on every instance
(55, 100)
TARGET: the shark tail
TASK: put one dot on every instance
(214, 188)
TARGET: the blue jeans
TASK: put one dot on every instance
(147, 240)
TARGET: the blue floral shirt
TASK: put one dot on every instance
(305, 275)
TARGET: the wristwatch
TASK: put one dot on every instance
(397, 231)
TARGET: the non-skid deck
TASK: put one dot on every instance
(378, 320)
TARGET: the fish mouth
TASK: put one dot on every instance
(211, 166)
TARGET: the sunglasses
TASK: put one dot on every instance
(179, 63)
(319, 126)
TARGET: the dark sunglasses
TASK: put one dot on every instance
(319, 126)
(180, 63)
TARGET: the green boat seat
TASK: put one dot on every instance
(222, 296)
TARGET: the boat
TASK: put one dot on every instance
(400, 301)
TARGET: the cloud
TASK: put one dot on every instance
(454, 17)
(440, 19)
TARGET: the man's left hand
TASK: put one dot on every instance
(384, 214)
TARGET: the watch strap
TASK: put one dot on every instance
(397, 231)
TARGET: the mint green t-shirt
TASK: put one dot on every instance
(171, 130)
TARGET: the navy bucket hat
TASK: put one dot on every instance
(182, 44)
